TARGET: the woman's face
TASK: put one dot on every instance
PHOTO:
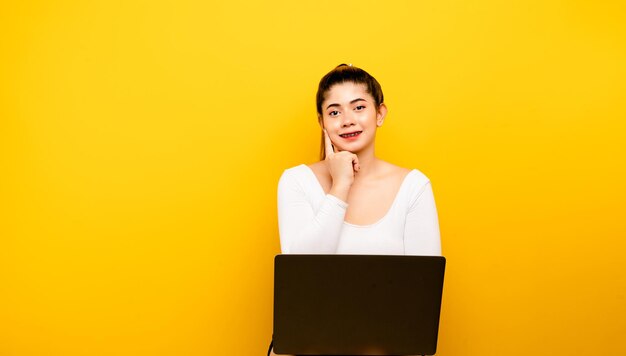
(350, 117)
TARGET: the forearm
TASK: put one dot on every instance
(307, 225)
(340, 190)
(305, 231)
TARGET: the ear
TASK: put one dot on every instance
(380, 115)
(320, 121)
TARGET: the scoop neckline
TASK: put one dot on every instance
(393, 204)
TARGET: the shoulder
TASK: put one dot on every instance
(417, 177)
(402, 173)
(418, 186)
(296, 172)
(413, 180)
(319, 167)
(297, 177)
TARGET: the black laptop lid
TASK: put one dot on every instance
(357, 304)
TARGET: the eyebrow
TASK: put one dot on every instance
(352, 102)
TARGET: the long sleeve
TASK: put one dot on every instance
(301, 228)
(421, 231)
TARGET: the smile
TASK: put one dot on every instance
(351, 134)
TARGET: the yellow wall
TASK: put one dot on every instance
(141, 143)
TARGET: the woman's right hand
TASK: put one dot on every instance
(342, 167)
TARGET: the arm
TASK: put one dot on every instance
(421, 230)
(303, 230)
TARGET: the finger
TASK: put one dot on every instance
(328, 144)
(355, 163)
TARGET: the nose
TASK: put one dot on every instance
(348, 120)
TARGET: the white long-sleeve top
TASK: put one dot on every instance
(312, 222)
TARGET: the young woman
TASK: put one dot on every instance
(351, 201)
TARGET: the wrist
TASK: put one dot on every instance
(340, 190)
(341, 184)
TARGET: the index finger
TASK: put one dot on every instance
(328, 144)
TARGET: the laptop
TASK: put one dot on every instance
(357, 304)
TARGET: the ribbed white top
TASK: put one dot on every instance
(312, 222)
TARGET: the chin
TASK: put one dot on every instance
(353, 149)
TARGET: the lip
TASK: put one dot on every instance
(351, 138)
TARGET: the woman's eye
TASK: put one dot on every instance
(333, 113)
(360, 107)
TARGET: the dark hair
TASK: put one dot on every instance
(341, 74)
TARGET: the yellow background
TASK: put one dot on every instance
(141, 143)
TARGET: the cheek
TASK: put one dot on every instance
(329, 124)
